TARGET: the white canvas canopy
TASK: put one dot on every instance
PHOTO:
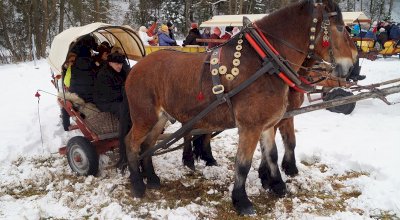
(354, 17)
(122, 36)
(230, 20)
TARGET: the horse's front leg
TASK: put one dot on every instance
(248, 138)
(286, 129)
(269, 170)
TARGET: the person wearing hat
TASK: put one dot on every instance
(171, 34)
(144, 36)
(194, 33)
(163, 37)
(215, 35)
(228, 33)
(101, 58)
(109, 83)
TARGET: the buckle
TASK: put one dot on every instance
(218, 89)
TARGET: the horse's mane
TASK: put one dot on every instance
(308, 5)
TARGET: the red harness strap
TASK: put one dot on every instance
(263, 55)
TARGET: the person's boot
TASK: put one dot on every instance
(358, 77)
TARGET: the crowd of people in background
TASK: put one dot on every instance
(379, 31)
(164, 35)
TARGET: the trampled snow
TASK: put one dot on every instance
(348, 163)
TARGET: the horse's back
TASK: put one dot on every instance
(164, 77)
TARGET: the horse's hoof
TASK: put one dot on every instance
(212, 163)
(290, 169)
(189, 164)
(245, 210)
(279, 189)
(138, 190)
(153, 183)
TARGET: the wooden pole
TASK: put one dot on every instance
(376, 93)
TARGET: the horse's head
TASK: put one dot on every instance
(332, 41)
(311, 30)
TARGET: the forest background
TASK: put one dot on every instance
(27, 27)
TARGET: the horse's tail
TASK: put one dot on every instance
(125, 125)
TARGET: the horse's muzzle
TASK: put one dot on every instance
(343, 68)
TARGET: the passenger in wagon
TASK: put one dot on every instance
(125, 66)
(101, 58)
(146, 39)
(171, 34)
(109, 83)
(83, 74)
(228, 33)
(206, 35)
(215, 35)
(163, 37)
(194, 33)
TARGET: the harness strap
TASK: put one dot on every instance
(218, 89)
(265, 49)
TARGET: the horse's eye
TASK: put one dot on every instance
(340, 28)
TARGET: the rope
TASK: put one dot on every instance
(40, 124)
(76, 104)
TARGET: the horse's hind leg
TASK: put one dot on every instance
(187, 155)
(135, 138)
(248, 138)
(269, 170)
(202, 147)
(153, 181)
(289, 140)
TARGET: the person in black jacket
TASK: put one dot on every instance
(109, 83)
(83, 74)
(194, 33)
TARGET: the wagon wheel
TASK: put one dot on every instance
(336, 94)
(82, 157)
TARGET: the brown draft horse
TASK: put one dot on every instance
(168, 81)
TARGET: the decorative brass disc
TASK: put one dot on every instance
(214, 61)
(235, 71)
(240, 41)
(214, 72)
(311, 46)
(239, 47)
(315, 20)
(222, 70)
(236, 62)
(237, 54)
(312, 37)
(229, 77)
(312, 29)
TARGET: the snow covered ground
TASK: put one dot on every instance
(348, 164)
